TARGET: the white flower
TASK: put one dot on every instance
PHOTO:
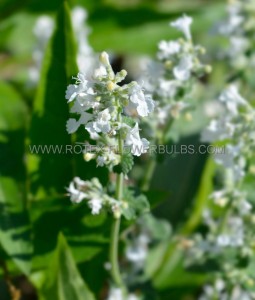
(138, 145)
(168, 88)
(143, 103)
(244, 207)
(223, 240)
(72, 124)
(167, 49)
(102, 123)
(220, 198)
(232, 99)
(183, 24)
(101, 161)
(43, 28)
(100, 72)
(182, 71)
(83, 91)
(138, 252)
(238, 45)
(95, 204)
(218, 130)
(115, 294)
(92, 131)
(76, 195)
(79, 16)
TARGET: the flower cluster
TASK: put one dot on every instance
(221, 289)
(43, 30)
(86, 58)
(238, 28)
(229, 216)
(171, 78)
(235, 125)
(100, 103)
(93, 192)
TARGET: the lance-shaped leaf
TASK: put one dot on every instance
(63, 280)
(15, 237)
(51, 171)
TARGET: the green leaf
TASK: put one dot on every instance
(129, 121)
(181, 177)
(201, 199)
(87, 235)
(126, 164)
(50, 172)
(15, 233)
(63, 280)
(136, 205)
(159, 229)
(169, 258)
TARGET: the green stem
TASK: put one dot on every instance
(148, 174)
(115, 271)
(152, 162)
(114, 246)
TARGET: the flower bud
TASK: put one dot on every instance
(104, 58)
(124, 204)
(110, 86)
(208, 69)
(202, 50)
(124, 101)
(116, 211)
(188, 117)
(89, 156)
(168, 64)
(123, 73)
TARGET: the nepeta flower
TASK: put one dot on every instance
(183, 24)
(167, 49)
(170, 78)
(142, 103)
(232, 99)
(98, 101)
(137, 144)
(93, 192)
(95, 204)
(182, 71)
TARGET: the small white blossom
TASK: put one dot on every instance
(142, 103)
(167, 49)
(72, 125)
(100, 72)
(183, 24)
(43, 28)
(138, 145)
(102, 123)
(182, 72)
(96, 205)
(168, 88)
(232, 99)
(76, 195)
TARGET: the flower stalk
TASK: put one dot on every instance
(114, 242)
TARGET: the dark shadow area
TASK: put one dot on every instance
(180, 175)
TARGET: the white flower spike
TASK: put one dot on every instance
(183, 24)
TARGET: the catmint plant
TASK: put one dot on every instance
(171, 80)
(237, 29)
(43, 30)
(229, 216)
(99, 104)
